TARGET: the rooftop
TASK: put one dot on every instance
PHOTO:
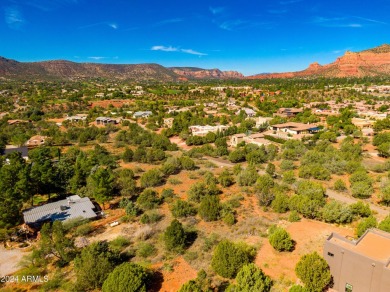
(374, 244)
(296, 126)
(71, 207)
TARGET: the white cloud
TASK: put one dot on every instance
(216, 10)
(346, 21)
(232, 24)
(97, 58)
(192, 52)
(13, 17)
(175, 49)
(113, 25)
(164, 49)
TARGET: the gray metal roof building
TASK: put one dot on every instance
(70, 208)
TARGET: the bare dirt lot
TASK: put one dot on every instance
(309, 236)
(9, 259)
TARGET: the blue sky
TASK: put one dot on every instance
(247, 36)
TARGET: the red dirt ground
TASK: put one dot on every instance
(309, 236)
(182, 273)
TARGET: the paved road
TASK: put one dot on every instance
(383, 211)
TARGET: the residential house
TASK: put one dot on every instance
(295, 128)
(236, 139)
(23, 150)
(36, 140)
(361, 265)
(77, 118)
(288, 112)
(256, 138)
(168, 122)
(142, 114)
(16, 122)
(70, 208)
(203, 130)
(260, 121)
(106, 121)
(248, 111)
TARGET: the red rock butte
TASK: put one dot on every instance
(372, 62)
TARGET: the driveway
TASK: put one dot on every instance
(381, 210)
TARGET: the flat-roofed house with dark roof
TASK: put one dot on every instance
(296, 128)
(70, 208)
(361, 265)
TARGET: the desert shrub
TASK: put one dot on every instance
(83, 230)
(314, 272)
(146, 249)
(228, 258)
(361, 189)
(167, 195)
(360, 209)
(280, 203)
(289, 177)
(93, 265)
(174, 181)
(151, 178)
(270, 169)
(385, 192)
(200, 284)
(225, 178)
(385, 224)
(339, 185)
(335, 212)
(287, 165)
(251, 278)
(298, 288)
(198, 190)
(237, 156)
(119, 243)
(182, 208)
(128, 155)
(148, 199)
(209, 208)
(131, 209)
(175, 236)
(312, 190)
(247, 177)
(150, 217)
(294, 216)
(171, 166)
(210, 242)
(365, 224)
(280, 240)
(128, 277)
(187, 163)
(229, 218)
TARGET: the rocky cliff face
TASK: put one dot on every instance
(198, 73)
(373, 62)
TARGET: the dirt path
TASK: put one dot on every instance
(219, 161)
(382, 211)
(9, 260)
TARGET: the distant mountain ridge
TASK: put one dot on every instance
(371, 62)
(62, 69)
(198, 73)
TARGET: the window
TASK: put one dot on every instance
(348, 287)
(330, 254)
